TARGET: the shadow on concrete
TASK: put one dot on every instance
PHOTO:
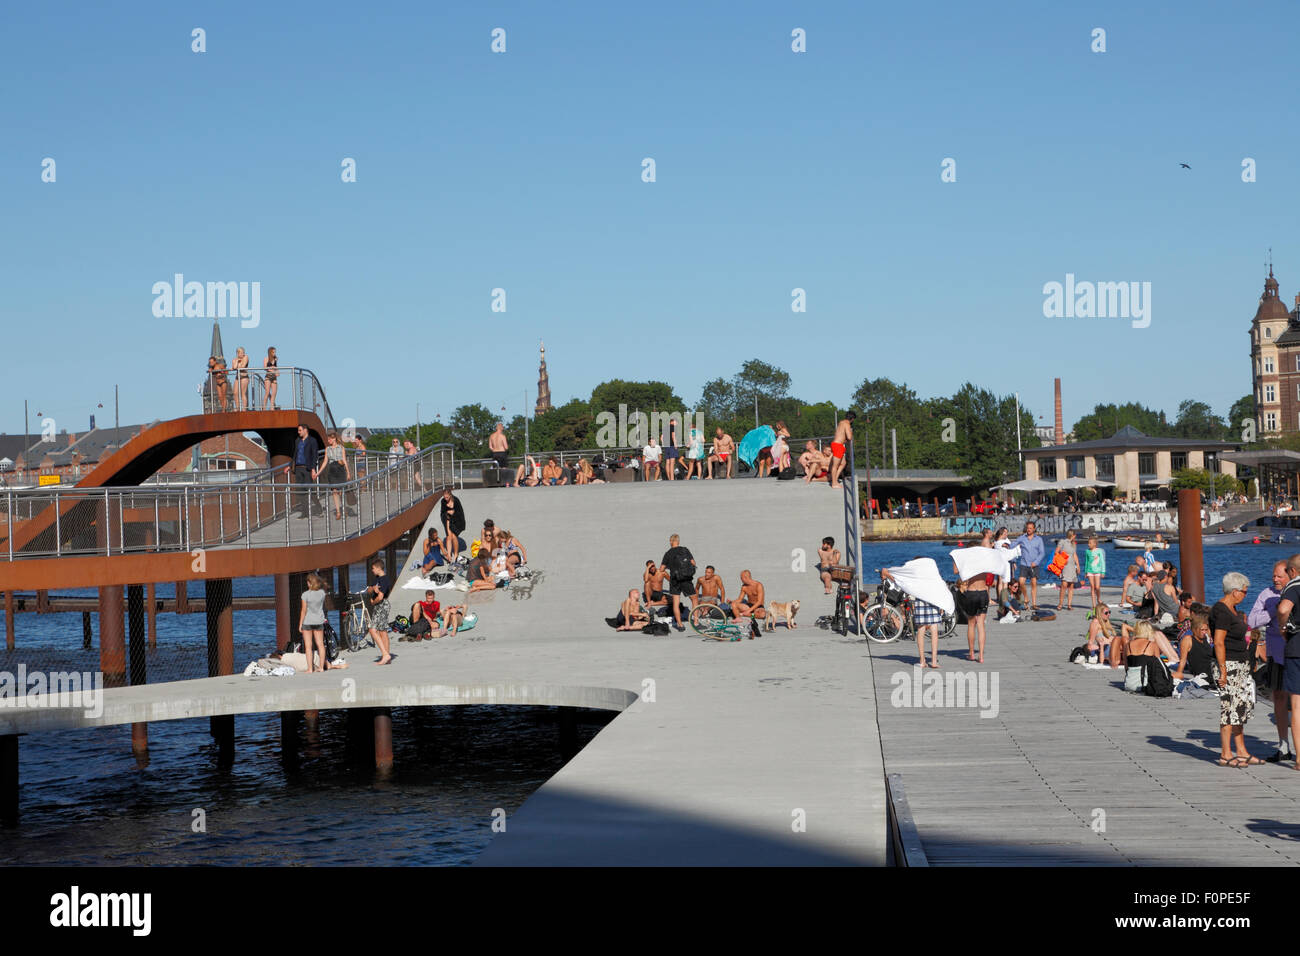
(557, 827)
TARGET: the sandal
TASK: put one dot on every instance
(1231, 762)
(1251, 761)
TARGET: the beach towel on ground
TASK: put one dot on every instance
(975, 561)
(920, 578)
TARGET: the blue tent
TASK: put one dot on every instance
(755, 441)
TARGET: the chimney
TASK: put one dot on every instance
(1060, 424)
(92, 423)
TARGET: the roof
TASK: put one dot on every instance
(1127, 438)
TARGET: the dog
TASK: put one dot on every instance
(786, 610)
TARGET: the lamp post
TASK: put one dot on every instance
(417, 425)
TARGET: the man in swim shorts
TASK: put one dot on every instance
(724, 448)
(843, 437)
(815, 465)
(499, 446)
(712, 590)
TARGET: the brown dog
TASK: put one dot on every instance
(786, 610)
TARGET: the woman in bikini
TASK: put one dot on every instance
(1101, 634)
(516, 554)
(240, 366)
(272, 363)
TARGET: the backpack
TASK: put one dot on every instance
(1080, 651)
(681, 568)
(1155, 676)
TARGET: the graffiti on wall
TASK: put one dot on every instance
(908, 528)
(1059, 524)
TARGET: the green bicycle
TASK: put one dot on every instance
(710, 622)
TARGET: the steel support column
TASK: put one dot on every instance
(112, 637)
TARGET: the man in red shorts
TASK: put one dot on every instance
(724, 447)
(840, 445)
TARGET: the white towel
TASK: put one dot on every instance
(920, 578)
(971, 562)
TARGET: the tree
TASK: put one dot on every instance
(1242, 411)
(1197, 420)
(1105, 420)
(1217, 484)
(470, 427)
(645, 396)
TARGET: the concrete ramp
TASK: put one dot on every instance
(756, 752)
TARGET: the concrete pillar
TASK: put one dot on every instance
(9, 779)
(283, 622)
(383, 738)
(221, 634)
(9, 620)
(112, 639)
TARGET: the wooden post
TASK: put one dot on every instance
(1190, 553)
(283, 622)
(383, 738)
(9, 620)
(112, 638)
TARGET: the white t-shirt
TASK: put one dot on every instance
(652, 452)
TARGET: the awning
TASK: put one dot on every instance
(1027, 484)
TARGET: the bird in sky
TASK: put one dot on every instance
(1184, 165)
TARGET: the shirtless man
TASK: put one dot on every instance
(828, 556)
(552, 474)
(712, 590)
(815, 465)
(654, 577)
(752, 601)
(724, 451)
(633, 617)
(499, 446)
(840, 445)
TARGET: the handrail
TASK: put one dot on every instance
(295, 388)
(193, 517)
(852, 530)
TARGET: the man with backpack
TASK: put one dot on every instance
(681, 575)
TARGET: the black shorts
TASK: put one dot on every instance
(682, 586)
(975, 603)
(502, 458)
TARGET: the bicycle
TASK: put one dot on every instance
(889, 616)
(356, 626)
(843, 578)
(710, 622)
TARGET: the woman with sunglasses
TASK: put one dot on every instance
(1232, 653)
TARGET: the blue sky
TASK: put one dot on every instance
(522, 171)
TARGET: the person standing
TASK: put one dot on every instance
(453, 523)
(1095, 569)
(379, 610)
(240, 368)
(1291, 654)
(1069, 573)
(1232, 670)
(670, 451)
(695, 455)
(336, 470)
(681, 577)
(271, 379)
(1031, 556)
(1263, 615)
(311, 622)
(305, 452)
(499, 448)
(839, 447)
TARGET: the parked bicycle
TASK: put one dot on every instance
(889, 616)
(710, 621)
(356, 626)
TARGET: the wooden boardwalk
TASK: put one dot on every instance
(1024, 788)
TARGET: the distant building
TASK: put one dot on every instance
(1275, 363)
(543, 387)
(1128, 461)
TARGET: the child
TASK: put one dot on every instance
(1095, 569)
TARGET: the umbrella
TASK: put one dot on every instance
(1027, 484)
(755, 441)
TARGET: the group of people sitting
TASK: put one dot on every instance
(430, 619)
(669, 581)
(490, 561)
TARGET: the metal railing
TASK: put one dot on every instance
(262, 389)
(108, 521)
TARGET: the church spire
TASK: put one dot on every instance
(543, 387)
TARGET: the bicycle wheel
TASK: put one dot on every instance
(706, 617)
(883, 623)
(949, 626)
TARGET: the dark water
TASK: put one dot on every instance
(83, 799)
(1253, 560)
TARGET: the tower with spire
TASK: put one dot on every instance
(543, 387)
(1273, 342)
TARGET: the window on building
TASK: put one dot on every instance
(1177, 460)
(1270, 394)
(1047, 469)
(1270, 421)
(1105, 466)
(1268, 363)
(1074, 467)
(1297, 362)
(1146, 464)
(1268, 333)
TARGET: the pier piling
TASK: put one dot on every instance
(383, 738)
(289, 735)
(223, 731)
(282, 619)
(87, 635)
(1190, 554)
(112, 639)
(221, 635)
(135, 627)
(182, 598)
(151, 603)
(9, 620)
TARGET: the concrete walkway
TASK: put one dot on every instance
(762, 751)
(1068, 753)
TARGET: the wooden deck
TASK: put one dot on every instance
(1023, 788)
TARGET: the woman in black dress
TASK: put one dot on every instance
(453, 522)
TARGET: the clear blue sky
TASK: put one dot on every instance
(522, 170)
